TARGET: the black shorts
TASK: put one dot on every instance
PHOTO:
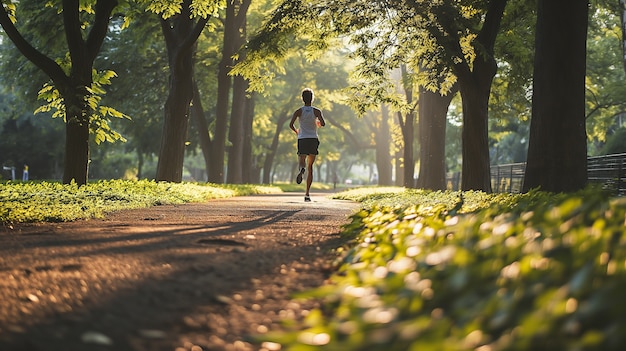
(308, 146)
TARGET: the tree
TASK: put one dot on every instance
(236, 26)
(234, 21)
(475, 76)
(181, 23)
(406, 121)
(557, 151)
(74, 82)
(379, 127)
(433, 110)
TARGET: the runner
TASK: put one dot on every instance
(310, 118)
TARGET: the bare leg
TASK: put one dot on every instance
(301, 165)
(309, 177)
(301, 162)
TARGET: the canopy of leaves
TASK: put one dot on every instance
(171, 8)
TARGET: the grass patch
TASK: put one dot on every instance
(473, 271)
(55, 202)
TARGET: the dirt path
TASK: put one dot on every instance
(172, 278)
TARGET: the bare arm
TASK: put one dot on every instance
(320, 117)
(295, 116)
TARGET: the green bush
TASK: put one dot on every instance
(469, 271)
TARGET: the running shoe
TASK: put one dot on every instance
(299, 177)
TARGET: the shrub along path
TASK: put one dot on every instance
(190, 277)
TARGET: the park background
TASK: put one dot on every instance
(369, 69)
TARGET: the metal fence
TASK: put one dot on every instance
(508, 178)
(608, 170)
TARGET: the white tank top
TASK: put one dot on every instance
(308, 127)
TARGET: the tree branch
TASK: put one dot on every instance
(98, 31)
(350, 136)
(73, 35)
(43, 62)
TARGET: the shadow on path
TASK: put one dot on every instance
(203, 275)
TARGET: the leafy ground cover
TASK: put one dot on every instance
(471, 271)
(56, 202)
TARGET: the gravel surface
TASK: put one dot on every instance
(194, 277)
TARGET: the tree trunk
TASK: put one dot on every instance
(433, 111)
(216, 171)
(140, 163)
(175, 125)
(407, 125)
(238, 108)
(233, 23)
(475, 173)
(197, 114)
(249, 166)
(180, 35)
(399, 167)
(557, 150)
(271, 152)
(383, 151)
(235, 153)
(475, 87)
(76, 145)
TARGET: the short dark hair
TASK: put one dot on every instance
(307, 95)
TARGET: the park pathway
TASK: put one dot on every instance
(204, 276)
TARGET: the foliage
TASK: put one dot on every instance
(100, 114)
(55, 202)
(397, 197)
(616, 143)
(542, 272)
(138, 56)
(605, 76)
(171, 8)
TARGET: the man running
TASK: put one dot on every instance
(310, 118)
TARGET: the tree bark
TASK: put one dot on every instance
(176, 122)
(382, 136)
(433, 110)
(216, 171)
(557, 151)
(238, 108)
(407, 126)
(197, 114)
(234, 174)
(475, 171)
(76, 164)
(249, 166)
(399, 167)
(234, 21)
(271, 152)
(180, 33)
